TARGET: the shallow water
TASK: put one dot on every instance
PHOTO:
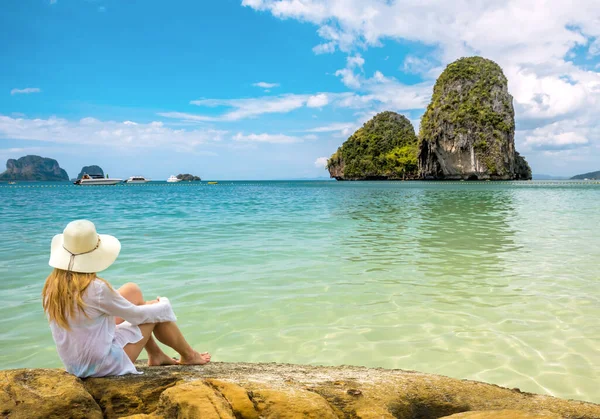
(489, 281)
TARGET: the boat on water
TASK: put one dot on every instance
(173, 179)
(96, 180)
(137, 179)
(213, 183)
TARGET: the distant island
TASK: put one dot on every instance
(30, 168)
(188, 178)
(467, 133)
(90, 170)
(590, 175)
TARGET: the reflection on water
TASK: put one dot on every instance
(495, 281)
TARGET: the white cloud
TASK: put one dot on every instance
(355, 61)
(317, 101)
(533, 40)
(561, 135)
(321, 162)
(93, 132)
(266, 138)
(349, 78)
(27, 90)
(253, 107)
(338, 126)
(326, 48)
(265, 85)
(416, 65)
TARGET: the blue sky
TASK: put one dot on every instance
(265, 89)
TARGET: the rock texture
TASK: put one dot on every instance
(90, 170)
(503, 414)
(188, 177)
(385, 148)
(26, 394)
(467, 131)
(238, 390)
(33, 168)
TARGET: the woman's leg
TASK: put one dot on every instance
(156, 356)
(169, 334)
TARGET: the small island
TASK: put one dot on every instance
(33, 168)
(91, 170)
(589, 176)
(467, 133)
(186, 177)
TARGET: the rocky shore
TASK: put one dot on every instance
(240, 390)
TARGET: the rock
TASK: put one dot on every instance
(291, 403)
(385, 148)
(187, 177)
(502, 414)
(238, 398)
(33, 168)
(194, 400)
(132, 394)
(30, 394)
(90, 170)
(467, 131)
(239, 390)
(522, 169)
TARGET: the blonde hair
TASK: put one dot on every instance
(63, 291)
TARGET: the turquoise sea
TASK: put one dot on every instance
(497, 282)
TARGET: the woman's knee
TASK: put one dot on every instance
(132, 292)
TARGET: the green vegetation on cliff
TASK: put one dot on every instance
(466, 94)
(468, 128)
(384, 148)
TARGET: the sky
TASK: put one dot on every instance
(268, 89)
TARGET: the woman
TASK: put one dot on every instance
(99, 331)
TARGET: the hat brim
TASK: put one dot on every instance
(95, 261)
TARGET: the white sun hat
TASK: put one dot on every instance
(81, 249)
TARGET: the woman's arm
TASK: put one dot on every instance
(112, 303)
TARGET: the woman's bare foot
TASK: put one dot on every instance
(196, 358)
(161, 359)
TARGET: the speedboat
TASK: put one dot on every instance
(173, 179)
(137, 179)
(96, 180)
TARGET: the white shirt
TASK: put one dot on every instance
(94, 345)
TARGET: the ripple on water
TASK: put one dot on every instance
(495, 282)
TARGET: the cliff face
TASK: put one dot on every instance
(253, 391)
(33, 168)
(90, 170)
(384, 148)
(467, 131)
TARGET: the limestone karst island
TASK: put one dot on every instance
(467, 133)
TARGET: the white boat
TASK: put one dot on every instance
(96, 180)
(137, 179)
(173, 179)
